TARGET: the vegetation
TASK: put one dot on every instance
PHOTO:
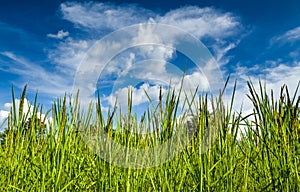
(266, 157)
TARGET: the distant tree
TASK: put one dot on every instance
(37, 124)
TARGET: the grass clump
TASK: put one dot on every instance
(54, 156)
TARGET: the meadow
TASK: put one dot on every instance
(265, 157)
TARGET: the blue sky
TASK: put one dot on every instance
(42, 44)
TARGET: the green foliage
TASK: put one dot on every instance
(36, 156)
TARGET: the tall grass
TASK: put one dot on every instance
(36, 156)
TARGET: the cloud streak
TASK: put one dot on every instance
(38, 77)
(103, 16)
(60, 34)
(202, 22)
(289, 36)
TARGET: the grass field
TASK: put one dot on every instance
(36, 157)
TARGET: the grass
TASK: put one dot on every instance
(57, 158)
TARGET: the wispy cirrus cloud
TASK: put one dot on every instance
(38, 77)
(289, 36)
(209, 23)
(68, 55)
(202, 22)
(103, 16)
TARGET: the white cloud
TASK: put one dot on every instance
(198, 21)
(98, 19)
(27, 112)
(221, 48)
(3, 116)
(4, 113)
(295, 53)
(202, 22)
(196, 80)
(103, 16)
(60, 34)
(138, 95)
(153, 67)
(273, 76)
(289, 36)
(7, 105)
(68, 55)
(207, 23)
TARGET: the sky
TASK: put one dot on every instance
(48, 45)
